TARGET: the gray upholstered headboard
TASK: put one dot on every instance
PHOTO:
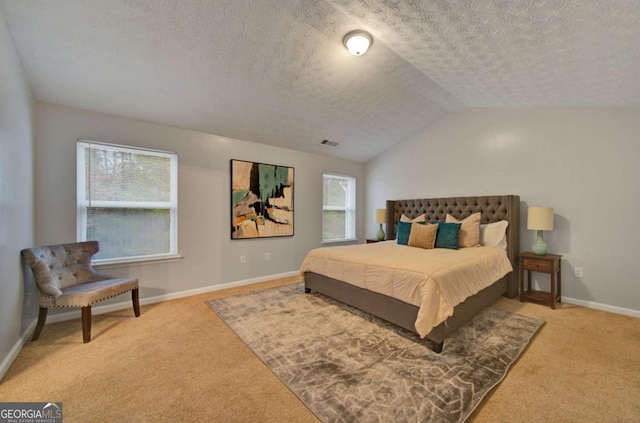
(493, 208)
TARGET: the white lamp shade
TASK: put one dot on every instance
(357, 42)
(540, 219)
(381, 216)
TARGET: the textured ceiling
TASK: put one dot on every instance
(275, 71)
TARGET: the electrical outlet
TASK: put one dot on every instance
(267, 256)
(243, 259)
(578, 272)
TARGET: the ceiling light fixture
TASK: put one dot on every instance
(357, 42)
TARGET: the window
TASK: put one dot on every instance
(128, 201)
(339, 208)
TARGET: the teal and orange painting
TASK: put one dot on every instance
(261, 200)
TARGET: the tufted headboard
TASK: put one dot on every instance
(493, 208)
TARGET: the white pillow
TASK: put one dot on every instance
(494, 234)
(422, 218)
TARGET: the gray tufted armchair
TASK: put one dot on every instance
(65, 278)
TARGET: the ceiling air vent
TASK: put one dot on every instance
(329, 143)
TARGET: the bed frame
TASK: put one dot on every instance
(494, 208)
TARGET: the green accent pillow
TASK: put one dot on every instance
(447, 236)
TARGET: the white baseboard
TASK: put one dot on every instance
(603, 307)
(24, 338)
(75, 314)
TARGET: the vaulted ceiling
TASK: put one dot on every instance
(276, 72)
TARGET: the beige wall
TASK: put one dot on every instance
(583, 162)
(210, 257)
(17, 305)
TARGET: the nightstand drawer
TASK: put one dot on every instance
(537, 265)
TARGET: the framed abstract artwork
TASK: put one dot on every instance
(261, 200)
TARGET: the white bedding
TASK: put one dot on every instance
(434, 280)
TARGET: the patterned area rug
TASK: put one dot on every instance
(348, 366)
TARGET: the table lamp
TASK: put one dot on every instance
(540, 219)
(381, 217)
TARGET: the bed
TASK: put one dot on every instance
(492, 208)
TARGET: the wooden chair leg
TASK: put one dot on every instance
(42, 316)
(135, 298)
(86, 324)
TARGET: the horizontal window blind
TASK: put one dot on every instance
(127, 200)
(339, 207)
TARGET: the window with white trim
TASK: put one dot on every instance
(338, 208)
(127, 201)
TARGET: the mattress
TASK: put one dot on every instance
(434, 280)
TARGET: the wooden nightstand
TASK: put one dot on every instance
(545, 264)
(372, 240)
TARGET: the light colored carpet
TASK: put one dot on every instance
(349, 366)
(179, 362)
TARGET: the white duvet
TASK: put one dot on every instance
(434, 280)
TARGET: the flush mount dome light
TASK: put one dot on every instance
(357, 42)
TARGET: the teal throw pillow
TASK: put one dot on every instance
(404, 230)
(447, 236)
